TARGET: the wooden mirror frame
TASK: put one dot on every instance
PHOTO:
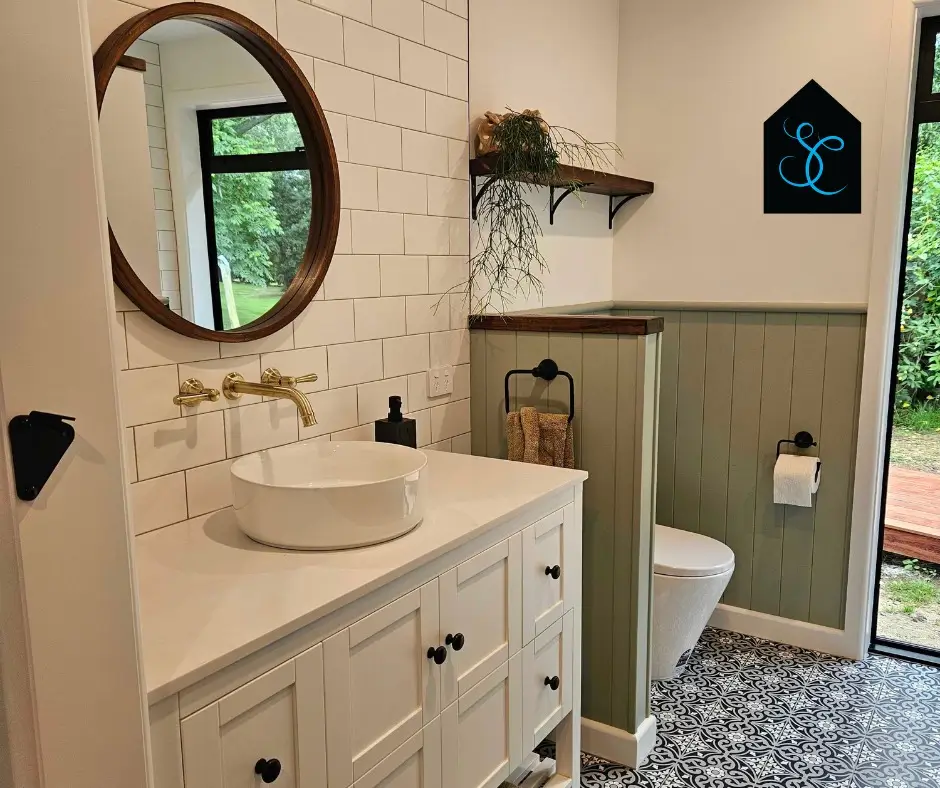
(321, 159)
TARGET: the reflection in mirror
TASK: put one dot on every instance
(206, 179)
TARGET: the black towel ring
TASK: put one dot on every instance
(546, 370)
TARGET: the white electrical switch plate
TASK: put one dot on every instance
(440, 381)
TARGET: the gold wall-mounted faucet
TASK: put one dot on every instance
(234, 386)
(192, 392)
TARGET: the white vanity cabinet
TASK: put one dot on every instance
(481, 616)
(451, 681)
(551, 561)
(547, 688)
(416, 764)
(270, 730)
(481, 733)
(381, 687)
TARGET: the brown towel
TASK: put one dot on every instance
(540, 438)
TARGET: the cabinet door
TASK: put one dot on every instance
(416, 764)
(546, 680)
(381, 687)
(549, 571)
(275, 722)
(481, 600)
(481, 734)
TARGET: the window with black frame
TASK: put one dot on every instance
(256, 188)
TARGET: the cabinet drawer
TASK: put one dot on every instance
(275, 723)
(481, 733)
(546, 680)
(416, 764)
(381, 687)
(481, 612)
(548, 571)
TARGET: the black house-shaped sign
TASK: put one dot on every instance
(812, 156)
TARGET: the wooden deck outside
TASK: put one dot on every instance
(912, 519)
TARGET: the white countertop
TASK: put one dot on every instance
(209, 595)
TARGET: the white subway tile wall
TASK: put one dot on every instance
(160, 172)
(392, 78)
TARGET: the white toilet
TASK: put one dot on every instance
(691, 572)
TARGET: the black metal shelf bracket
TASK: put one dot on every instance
(553, 205)
(478, 195)
(624, 199)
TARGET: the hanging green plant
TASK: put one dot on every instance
(526, 152)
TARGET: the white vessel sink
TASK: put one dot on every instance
(319, 495)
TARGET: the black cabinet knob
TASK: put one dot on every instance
(553, 682)
(554, 571)
(269, 770)
(455, 641)
(439, 654)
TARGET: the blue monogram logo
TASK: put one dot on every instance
(813, 166)
(806, 171)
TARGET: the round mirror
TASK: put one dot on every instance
(221, 182)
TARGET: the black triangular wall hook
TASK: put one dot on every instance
(37, 442)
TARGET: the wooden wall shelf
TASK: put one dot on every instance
(619, 189)
(570, 324)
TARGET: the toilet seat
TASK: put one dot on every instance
(684, 554)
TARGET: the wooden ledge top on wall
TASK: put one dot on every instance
(573, 324)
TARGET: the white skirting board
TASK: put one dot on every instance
(613, 744)
(785, 630)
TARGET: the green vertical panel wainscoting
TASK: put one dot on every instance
(616, 384)
(734, 382)
(716, 425)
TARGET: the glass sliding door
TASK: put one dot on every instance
(907, 611)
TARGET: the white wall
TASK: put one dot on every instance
(125, 154)
(169, 285)
(380, 70)
(697, 81)
(71, 675)
(210, 59)
(560, 57)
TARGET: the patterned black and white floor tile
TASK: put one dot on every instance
(748, 713)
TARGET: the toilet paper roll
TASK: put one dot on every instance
(795, 479)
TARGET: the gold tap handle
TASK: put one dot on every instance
(192, 392)
(275, 378)
(311, 378)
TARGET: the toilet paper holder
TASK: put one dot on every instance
(802, 440)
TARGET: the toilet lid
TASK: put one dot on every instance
(685, 554)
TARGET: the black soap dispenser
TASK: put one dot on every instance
(396, 428)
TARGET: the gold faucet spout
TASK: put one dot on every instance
(235, 385)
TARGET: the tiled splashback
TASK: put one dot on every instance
(392, 75)
(160, 172)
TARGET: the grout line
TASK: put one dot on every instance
(186, 493)
(134, 450)
(165, 475)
